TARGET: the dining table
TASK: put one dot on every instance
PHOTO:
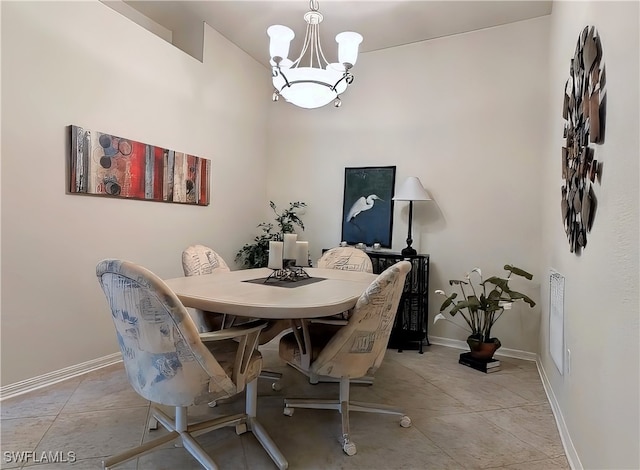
(245, 293)
(251, 293)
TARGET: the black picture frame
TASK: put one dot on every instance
(367, 207)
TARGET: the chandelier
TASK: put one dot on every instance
(320, 82)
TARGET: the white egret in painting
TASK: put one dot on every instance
(361, 205)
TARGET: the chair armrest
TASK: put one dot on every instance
(246, 335)
(244, 329)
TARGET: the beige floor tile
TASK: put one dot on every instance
(462, 419)
(104, 389)
(475, 442)
(533, 424)
(479, 391)
(87, 464)
(401, 393)
(547, 464)
(96, 434)
(174, 458)
(46, 401)
(20, 435)
(525, 383)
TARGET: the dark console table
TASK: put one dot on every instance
(410, 330)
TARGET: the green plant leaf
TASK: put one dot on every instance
(494, 295)
(473, 302)
(448, 301)
(459, 306)
(517, 295)
(454, 282)
(498, 281)
(518, 271)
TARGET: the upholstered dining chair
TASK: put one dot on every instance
(346, 258)
(169, 363)
(351, 351)
(198, 260)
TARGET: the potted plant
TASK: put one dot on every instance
(256, 254)
(482, 305)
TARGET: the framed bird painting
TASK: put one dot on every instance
(367, 208)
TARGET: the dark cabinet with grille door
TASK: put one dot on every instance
(410, 330)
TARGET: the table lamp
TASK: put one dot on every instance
(411, 190)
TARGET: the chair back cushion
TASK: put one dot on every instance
(357, 349)
(200, 259)
(165, 360)
(346, 258)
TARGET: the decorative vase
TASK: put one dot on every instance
(483, 350)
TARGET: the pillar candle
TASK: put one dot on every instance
(302, 258)
(290, 245)
(275, 255)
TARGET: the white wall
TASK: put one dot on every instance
(467, 115)
(599, 396)
(82, 63)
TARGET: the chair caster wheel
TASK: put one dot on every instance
(349, 448)
(241, 428)
(276, 386)
(153, 424)
(212, 404)
(405, 422)
(288, 411)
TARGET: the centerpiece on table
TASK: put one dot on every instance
(256, 254)
(481, 307)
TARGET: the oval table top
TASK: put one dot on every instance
(228, 292)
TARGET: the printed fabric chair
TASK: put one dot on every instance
(198, 260)
(346, 258)
(351, 351)
(168, 363)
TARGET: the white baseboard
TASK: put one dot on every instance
(567, 443)
(34, 383)
(458, 344)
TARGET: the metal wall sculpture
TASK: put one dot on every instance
(108, 165)
(584, 110)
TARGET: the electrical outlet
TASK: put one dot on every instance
(568, 361)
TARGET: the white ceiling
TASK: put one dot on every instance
(382, 23)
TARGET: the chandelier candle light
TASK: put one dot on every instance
(411, 190)
(288, 258)
(321, 82)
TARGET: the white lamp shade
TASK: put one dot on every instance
(411, 190)
(280, 40)
(348, 43)
(309, 92)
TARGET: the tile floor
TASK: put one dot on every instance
(462, 419)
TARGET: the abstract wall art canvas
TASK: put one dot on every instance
(107, 165)
(367, 208)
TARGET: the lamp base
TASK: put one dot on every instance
(408, 251)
